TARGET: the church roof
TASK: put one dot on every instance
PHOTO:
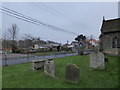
(112, 25)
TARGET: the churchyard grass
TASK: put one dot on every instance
(0, 77)
(21, 76)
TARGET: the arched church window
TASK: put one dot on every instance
(115, 42)
(118, 44)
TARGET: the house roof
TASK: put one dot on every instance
(88, 40)
(73, 42)
(112, 25)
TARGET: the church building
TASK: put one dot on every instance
(110, 36)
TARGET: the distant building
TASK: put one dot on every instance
(36, 46)
(52, 44)
(110, 36)
(74, 43)
(90, 43)
(40, 44)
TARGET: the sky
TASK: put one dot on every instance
(78, 17)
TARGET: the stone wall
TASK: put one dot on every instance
(112, 51)
(106, 43)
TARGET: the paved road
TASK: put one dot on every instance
(13, 55)
(18, 60)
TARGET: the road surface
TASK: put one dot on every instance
(20, 60)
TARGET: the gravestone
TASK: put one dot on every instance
(49, 68)
(72, 73)
(38, 64)
(97, 60)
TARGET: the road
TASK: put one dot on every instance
(13, 55)
(21, 60)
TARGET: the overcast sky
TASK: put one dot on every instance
(79, 17)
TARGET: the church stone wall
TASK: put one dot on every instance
(106, 43)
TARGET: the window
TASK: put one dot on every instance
(115, 42)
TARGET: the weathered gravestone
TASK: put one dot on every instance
(49, 68)
(72, 73)
(97, 60)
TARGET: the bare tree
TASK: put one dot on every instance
(13, 33)
(29, 42)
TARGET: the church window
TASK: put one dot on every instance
(115, 42)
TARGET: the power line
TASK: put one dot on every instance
(49, 8)
(31, 20)
(20, 15)
(53, 10)
(18, 18)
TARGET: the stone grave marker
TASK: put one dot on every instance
(101, 64)
(49, 68)
(97, 60)
(72, 73)
(38, 64)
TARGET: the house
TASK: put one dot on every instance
(39, 44)
(52, 44)
(110, 36)
(91, 42)
(36, 46)
(74, 43)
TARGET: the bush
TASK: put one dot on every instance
(17, 51)
(51, 49)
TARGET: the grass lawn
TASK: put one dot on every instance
(21, 76)
(0, 77)
(52, 52)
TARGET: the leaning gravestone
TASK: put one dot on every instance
(49, 68)
(97, 60)
(72, 73)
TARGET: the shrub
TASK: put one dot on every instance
(17, 51)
